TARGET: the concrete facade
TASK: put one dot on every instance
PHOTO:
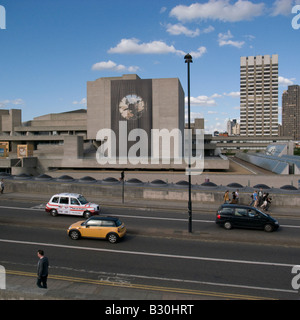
(259, 96)
(68, 140)
(291, 112)
(242, 143)
(167, 103)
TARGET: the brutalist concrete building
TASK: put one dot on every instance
(291, 112)
(69, 141)
(259, 96)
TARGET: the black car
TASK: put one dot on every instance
(241, 216)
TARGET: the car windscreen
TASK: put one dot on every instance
(82, 200)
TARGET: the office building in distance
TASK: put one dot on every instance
(259, 96)
(291, 112)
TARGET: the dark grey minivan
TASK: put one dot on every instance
(241, 216)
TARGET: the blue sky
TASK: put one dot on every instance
(51, 48)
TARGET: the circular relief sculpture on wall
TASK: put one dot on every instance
(131, 107)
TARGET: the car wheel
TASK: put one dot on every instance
(74, 234)
(86, 214)
(112, 237)
(53, 213)
(227, 225)
(269, 228)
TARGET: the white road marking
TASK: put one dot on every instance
(162, 255)
(141, 217)
(126, 277)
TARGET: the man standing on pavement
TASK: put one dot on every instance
(42, 270)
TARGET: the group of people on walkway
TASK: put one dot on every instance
(235, 197)
(259, 199)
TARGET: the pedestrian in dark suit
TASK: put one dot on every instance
(42, 270)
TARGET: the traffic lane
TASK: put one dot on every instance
(207, 214)
(159, 215)
(164, 214)
(139, 266)
(189, 247)
(174, 225)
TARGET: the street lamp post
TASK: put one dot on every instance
(188, 59)
(123, 184)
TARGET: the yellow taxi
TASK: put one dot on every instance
(109, 228)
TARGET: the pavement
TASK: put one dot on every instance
(143, 204)
(22, 285)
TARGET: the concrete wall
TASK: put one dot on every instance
(11, 120)
(167, 108)
(106, 192)
(99, 102)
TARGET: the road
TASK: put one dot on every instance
(157, 253)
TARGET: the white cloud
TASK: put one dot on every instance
(282, 7)
(199, 53)
(216, 95)
(202, 101)
(81, 102)
(224, 39)
(133, 46)
(194, 115)
(163, 9)
(208, 29)
(178, 29)
(17, 101)
(234, 94)
(285, 82)
(221, 10)
(250, 37)
(209, 101)
(9, 103)
(112, 66)
(133, 68)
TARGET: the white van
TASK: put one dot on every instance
(71, 204)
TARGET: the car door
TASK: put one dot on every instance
(63, 206)
(75, 207)
(92, 229)
(257, 219)
(241, 218)
(107, 227)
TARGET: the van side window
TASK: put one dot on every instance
(55, 200)
(64, 200)
(227, 210)
(241, 212)
(252, 213)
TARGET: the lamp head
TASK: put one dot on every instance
(188, 58)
